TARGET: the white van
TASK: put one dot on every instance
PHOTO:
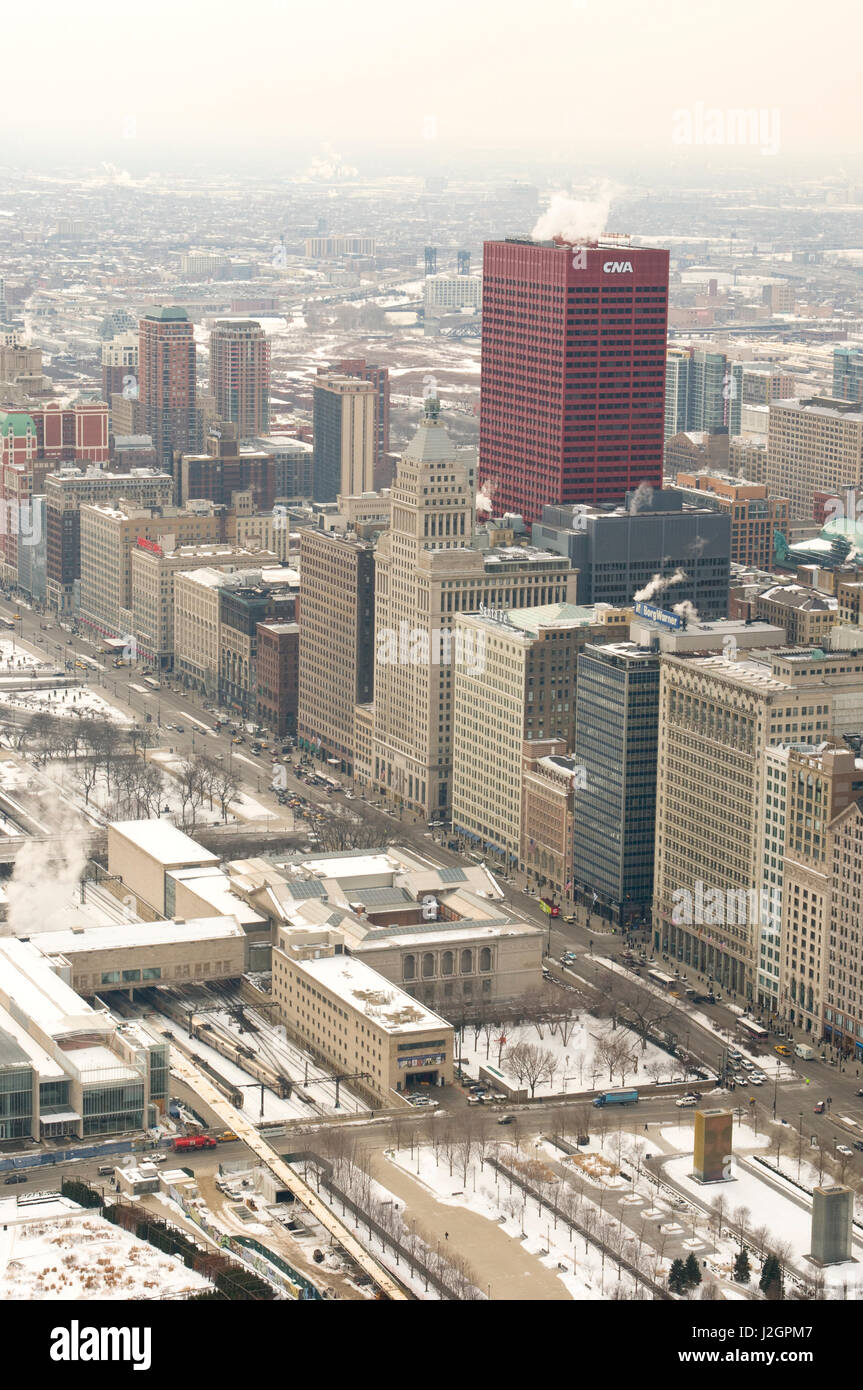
(802, 1050)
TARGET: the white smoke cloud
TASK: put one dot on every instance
(686, 610)
(576, 219)
(658, 584)
(45, 880)
(485, 495)
(329, 166)
(641, 498)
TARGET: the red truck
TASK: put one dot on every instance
(194, 1141)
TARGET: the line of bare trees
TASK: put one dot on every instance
(352, 1175)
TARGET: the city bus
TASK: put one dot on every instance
(754, 1030)
(153, 684)
(660, 978)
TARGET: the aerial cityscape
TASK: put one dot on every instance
(431, 665)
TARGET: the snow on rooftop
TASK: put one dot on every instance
(163, 841)
(138, 934)
(39, 993)
(363, 989)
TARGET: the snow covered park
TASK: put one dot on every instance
(581, 1053)
(57, 1250)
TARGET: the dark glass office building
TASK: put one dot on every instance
(614, 809)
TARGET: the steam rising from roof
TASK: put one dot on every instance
(574, 219)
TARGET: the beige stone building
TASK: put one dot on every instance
(842, 986)
(427, 571)
(813, 445)
(196, 628)
(140, 954)
(716, 717)
(548, 779)
(337, 604)
(153, 572)
(442, 935)
(108, 537)
(142, 852)
(806, 616)
(820, 785)
(514, 678)
(347, 1015)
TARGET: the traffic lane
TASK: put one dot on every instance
(85, 1169)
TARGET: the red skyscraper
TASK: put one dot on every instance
(573, 372)
(166, 381)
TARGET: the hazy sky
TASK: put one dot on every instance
(530, 79)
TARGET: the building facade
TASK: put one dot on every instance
(167, 381)
(573, 372)
(240, 375)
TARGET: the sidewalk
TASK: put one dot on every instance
(496, 1259)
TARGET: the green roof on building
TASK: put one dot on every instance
(165, 313)
(16, 422)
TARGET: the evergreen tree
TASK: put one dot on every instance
(742, 1268)
(693, 1270)
(677, 1281)
(770, 1282)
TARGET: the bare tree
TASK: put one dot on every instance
(614, 1051)
(530, 1064)
(87, 772)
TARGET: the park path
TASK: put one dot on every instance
(496, 1259)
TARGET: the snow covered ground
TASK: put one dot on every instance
(65, 702)
(482, 1189)
(577, 1064)
(57, 1250)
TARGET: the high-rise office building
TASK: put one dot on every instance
(337, 603)
(66, 491)
(848, 374)
(240, 375)
(614, 803)
(345, 437)
(514, 683)
(120, 367)
(166, 381)
(678, 363)
(619, 552)
(380, 379)
(573, 372)
(718, 715)
(426, 571)
(814, 445)
(710, 390)
(754, 516)
(820, 784)
(751, 384)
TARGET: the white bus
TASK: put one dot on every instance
(754, 1030)
(660, 978)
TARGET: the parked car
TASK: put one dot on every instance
(569, 918)
(844, 1149)
(506, 1119)
(858, 1144)
(756, 1080)
(181, 728)
(685, 1101)
(14, 1178)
